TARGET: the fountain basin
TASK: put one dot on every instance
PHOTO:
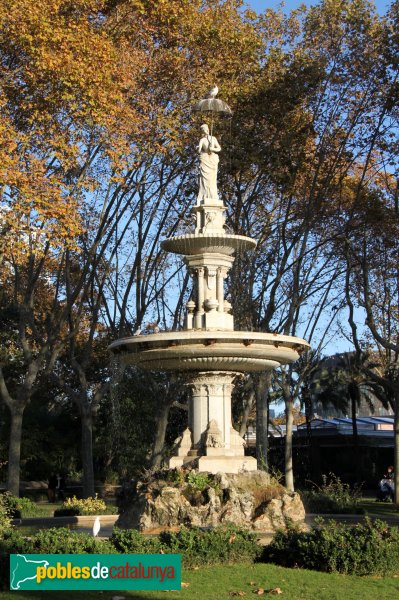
(199, 350)
(197, 243)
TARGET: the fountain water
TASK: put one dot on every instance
(208, 351)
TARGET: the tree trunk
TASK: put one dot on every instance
(396, 449)
(14, 452)
(159, 441)
(307, 403)
(289, 471)
(354, 402)
(87, 453)
(246, 412)
(262, 420)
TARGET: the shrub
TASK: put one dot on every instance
(67, 512)
(12, 542)
(333, 496)
(87, 506)
(19, 507)
(363, 549)
(197, 547)
(200, 481)
(131, 541)
(55, 540)
(60, 540)
(5, 516)
(216, 546)
(175, 477)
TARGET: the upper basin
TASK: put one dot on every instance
(199, 350)
(198, 243)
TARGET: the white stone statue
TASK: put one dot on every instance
(208, 149)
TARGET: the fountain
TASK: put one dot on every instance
(208, 353)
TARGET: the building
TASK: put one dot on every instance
(330, 446)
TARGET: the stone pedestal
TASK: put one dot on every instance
(226, 464)
(215, 443)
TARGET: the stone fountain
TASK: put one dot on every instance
(208, 353)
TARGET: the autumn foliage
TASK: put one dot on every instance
(97, 164)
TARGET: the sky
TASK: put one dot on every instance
(261, 5)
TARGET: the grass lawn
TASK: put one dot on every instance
(45, 509)
(213, 583)
(379, 509)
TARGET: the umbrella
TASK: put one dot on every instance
(214, 106)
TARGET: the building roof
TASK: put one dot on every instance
(375, 431)
(364, 424)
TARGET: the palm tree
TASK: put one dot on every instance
(341, 382)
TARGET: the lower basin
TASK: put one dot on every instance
(240, 351)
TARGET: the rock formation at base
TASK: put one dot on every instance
(170, 499)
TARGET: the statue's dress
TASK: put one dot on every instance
(208, 168)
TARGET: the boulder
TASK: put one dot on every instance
(293, 508)
(244, 499)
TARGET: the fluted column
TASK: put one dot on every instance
(210, 401)
(198, 411)
(201, 298)
(220, 289)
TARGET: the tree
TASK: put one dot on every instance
(371, 285)
(291, 183)
(341, 381)
(93, 121)
(367, 236)
(140, 399)
(95, 115)
(148, 198)
(60, 97)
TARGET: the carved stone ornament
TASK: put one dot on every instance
(184, 443)
(210, 216)
(214, 389)
(211, 304)
(213, 438)
(211, 278)
(191, 306)
(236, 439)
(207, 353)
